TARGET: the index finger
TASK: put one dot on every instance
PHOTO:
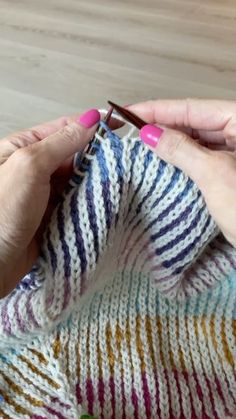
(194, 113)
(41, 131)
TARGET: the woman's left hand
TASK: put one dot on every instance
(35, 165)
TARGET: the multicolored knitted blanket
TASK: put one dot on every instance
(130, 310)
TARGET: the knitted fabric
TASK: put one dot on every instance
(130, 310)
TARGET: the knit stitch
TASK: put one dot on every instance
(130, 310)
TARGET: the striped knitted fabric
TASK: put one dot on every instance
(130, 310)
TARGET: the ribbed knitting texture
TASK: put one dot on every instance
(130, 311)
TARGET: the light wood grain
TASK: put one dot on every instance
(62, 56)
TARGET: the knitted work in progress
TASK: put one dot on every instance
(130, 310)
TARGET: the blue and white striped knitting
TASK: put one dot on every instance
(130, 310)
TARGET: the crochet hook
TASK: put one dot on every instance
(129, 116)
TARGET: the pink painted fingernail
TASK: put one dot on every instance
(150, 135)
(89, 118)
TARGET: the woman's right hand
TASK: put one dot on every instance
(198, 137)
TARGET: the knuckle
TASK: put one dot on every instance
(230, 133)
(190, 105)
(174, 145)
(72, 132)
(38, 134)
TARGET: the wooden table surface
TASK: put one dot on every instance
(62, 56)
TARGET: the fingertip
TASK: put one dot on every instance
(151, 134)
(89, 118)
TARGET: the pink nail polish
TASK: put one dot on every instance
(150, 135)
(89, 118)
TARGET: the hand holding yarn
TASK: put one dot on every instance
(198, 137)
(35, 165)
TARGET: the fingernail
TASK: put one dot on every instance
(89, 118)
(150, 135)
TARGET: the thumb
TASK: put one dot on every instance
(177, 148)
(48, 154)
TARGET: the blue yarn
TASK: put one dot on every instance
(92, 212)
(182, 254)
(65, 248)
(75, 217)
